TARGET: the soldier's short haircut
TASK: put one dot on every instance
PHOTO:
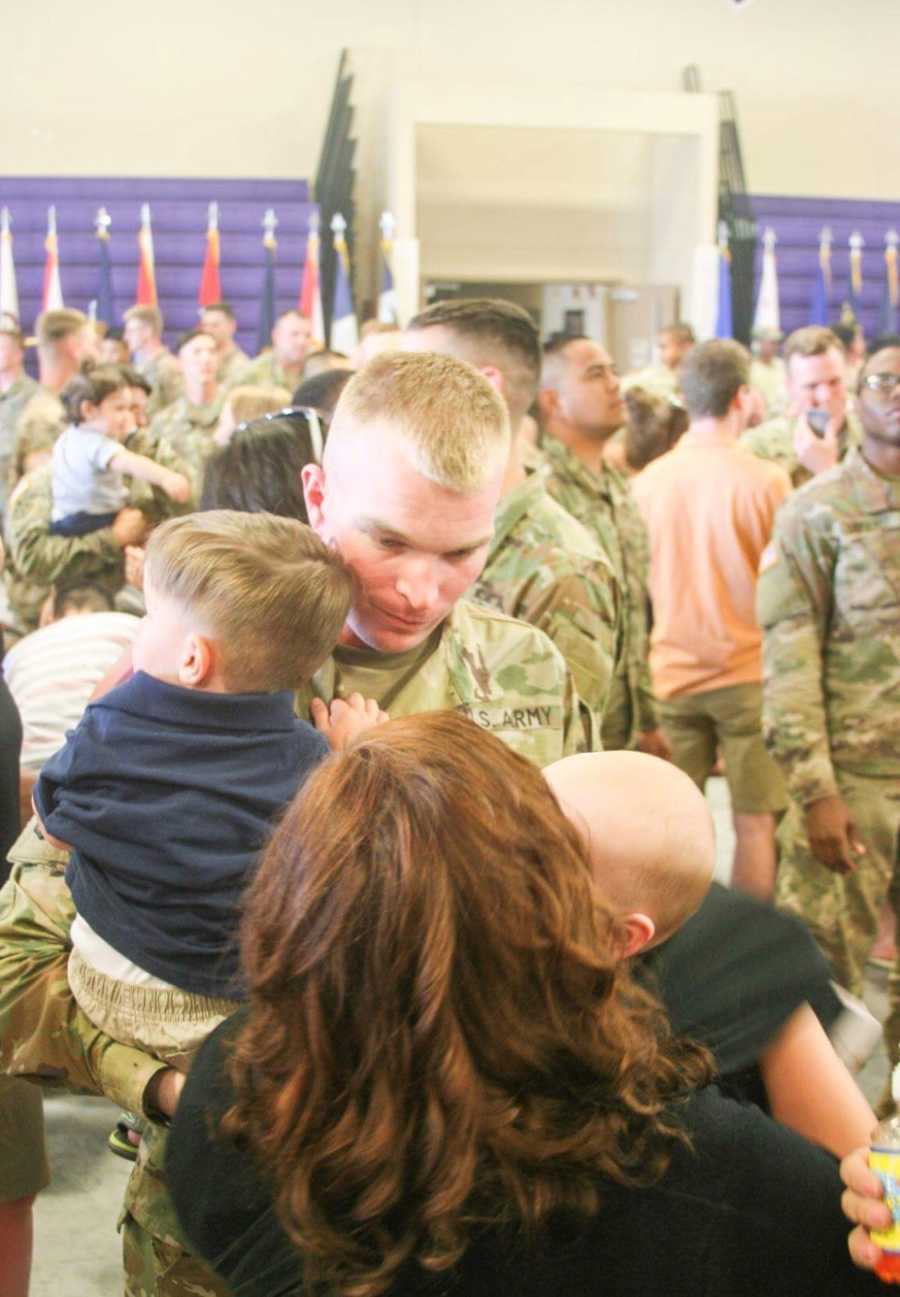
(812, 340)
(680, 331)
(188, 336)
(711, 376)
(493, 332)
(224, 308)
(54, 326)
(453, 419)
(151, 315)
(273, 595)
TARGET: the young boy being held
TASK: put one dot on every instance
(89, 458)
(167, 788)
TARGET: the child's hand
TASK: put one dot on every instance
(346, 718)
(177, 487)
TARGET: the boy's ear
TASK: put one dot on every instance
(313, 479)
(640, 931)
(197, 661)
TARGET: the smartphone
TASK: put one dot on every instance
(818, 420)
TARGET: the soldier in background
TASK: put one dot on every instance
(16, 390)
(143, 334)
(817, 394)
(581, 407)
(829, 605)
(188, 424)
(768, 374)
(282, 365)
(218, 320)
(673, 345)
(543, 566)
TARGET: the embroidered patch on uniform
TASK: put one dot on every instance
(768, 558)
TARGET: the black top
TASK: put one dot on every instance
(753, 1210)
(167, 795)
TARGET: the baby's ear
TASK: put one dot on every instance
(640, 931)
(197, 660)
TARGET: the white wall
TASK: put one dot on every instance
(223, 87)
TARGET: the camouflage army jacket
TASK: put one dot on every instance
(828, 601)
(232, 369)
(163, 373)
(775, 440)
(12, 403)
(605, 505)
(189, 431)
(545, 568)
(265, 371)
(507, 676)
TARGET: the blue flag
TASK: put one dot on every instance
(267, 301)
(890, 301)
(724, 317)
(105, 307)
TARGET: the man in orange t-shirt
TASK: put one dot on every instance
(709, 506)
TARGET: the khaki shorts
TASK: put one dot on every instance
(730, 720)
(23, 1152)
(171, 1025)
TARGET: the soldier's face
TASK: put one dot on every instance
(219, 325)
(817, 383)
(414, 547)
(291, 339)
(198, 360)
(10, 351)
(588, 394)
(879, 410)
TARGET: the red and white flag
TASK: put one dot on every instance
(310, 287)
(52, 299)
(210, 282)
(146, 282)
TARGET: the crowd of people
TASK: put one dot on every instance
(357, 715)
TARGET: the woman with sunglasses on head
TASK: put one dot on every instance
(445, 1081)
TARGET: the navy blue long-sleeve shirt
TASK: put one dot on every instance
(166, 796)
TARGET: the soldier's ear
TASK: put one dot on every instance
(313, 478)
(548, 403)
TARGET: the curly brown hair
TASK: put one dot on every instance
(439, 1033)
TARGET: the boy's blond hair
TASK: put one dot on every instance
(272, 595)
(248, 403)
(455, 423)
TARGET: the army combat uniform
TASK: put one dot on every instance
(504, 674)
(163, 373)
(189, 431)
(265, 371)
(829, 604)
(545, 568)
(12, 404)
(775, 440)
(603, 503)
(232, 369)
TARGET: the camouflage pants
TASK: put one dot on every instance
(842, 911)
(156, 1267)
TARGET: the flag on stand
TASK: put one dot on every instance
(210, 282)
(891, 298)
(854, 305)
(51, 298)
(344, 329)
(146, 283)
(387, 297)
(9, 293)
(724, 316)
(820, 305)
(767, 315)
(267, 301)
(105, 309)
(310, 288)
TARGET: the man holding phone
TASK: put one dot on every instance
(819, 427)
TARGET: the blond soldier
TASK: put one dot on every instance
(543, 566)
(282, 366)
(413, 519)
(817, 397)
(829, 604)
(581, 407)
(218, 320)
(189, 423)
(143, 334)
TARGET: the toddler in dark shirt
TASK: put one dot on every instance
(167, 788)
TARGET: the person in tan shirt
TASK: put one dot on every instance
(709, 506)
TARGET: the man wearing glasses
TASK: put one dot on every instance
(829, 605)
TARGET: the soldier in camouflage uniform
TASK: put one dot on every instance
(815, 374)
(829, 605)
(189, 423)
(143, 333)
(16, 390)
(664, 379)
(414, 546)
(543, 566)
(282, 366)
(218, 320)
(582, 406)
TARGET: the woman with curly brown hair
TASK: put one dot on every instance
(446, 1082)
